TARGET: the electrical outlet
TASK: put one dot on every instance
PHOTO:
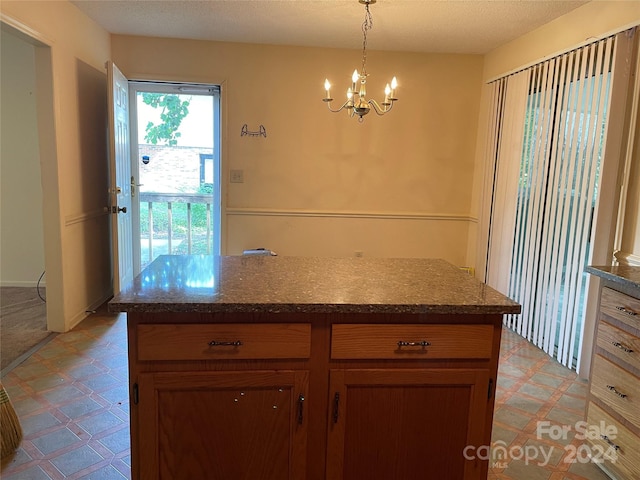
(236, 176)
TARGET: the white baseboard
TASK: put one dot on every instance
(80, 316)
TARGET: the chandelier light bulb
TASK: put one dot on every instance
(357, 104)
(327, 86)
(394, 85)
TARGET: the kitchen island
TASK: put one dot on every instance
(292, 368)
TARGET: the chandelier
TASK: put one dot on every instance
(357, 103)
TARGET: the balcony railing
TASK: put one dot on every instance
(175, 223)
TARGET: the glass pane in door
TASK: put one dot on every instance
(176, 165)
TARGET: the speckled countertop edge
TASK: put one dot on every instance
(199, 307)
(625, 275)
(308, 285)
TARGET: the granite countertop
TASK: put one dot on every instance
(625, 275)
(255, 283)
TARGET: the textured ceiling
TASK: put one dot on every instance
(455, 26)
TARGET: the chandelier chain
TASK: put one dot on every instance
(366, 26)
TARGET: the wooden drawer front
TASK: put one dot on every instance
(621, 306)
(617, 388)
(354, 341)
(627, 456)
(192, 342)
(619, 343)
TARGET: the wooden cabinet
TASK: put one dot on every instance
(223, 341)
(218, 400)
(393, 423)
(412, 342)
(311, 397)
(243, 425)
(397, 411)
(614, 400)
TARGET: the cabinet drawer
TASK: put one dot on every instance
(617, 388)
(621, 307)
(228, 341)
(623, 345)
(355, 341)
(626, 461)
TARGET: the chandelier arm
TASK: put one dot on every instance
(379, 109)
(346, 104)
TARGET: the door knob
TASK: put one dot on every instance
(119, 209)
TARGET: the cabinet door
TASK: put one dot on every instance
(407, 424)
(222, 425)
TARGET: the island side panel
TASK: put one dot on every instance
(317, 405)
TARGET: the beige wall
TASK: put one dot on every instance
(322, 183)
(21, 241)
(630, 241)
(71, 87)
(593, 20)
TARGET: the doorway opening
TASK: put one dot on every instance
(29, 309)
(175, 157)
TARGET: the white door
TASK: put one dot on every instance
(120, 178)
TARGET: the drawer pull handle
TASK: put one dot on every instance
(613, 445)
(613, 389)
(214, 343)
(422, 343)
(627, 311)
(622, 347)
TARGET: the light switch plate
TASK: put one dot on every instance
(236, 176)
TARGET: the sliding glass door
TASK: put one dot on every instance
(551, 188)
(565, 124)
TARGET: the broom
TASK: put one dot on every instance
(10, 429)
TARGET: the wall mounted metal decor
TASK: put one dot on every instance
(262, 132)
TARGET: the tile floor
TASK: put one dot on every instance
(532, 389)
(71, 396)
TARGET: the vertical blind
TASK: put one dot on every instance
(505, 143)
(547, 153)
